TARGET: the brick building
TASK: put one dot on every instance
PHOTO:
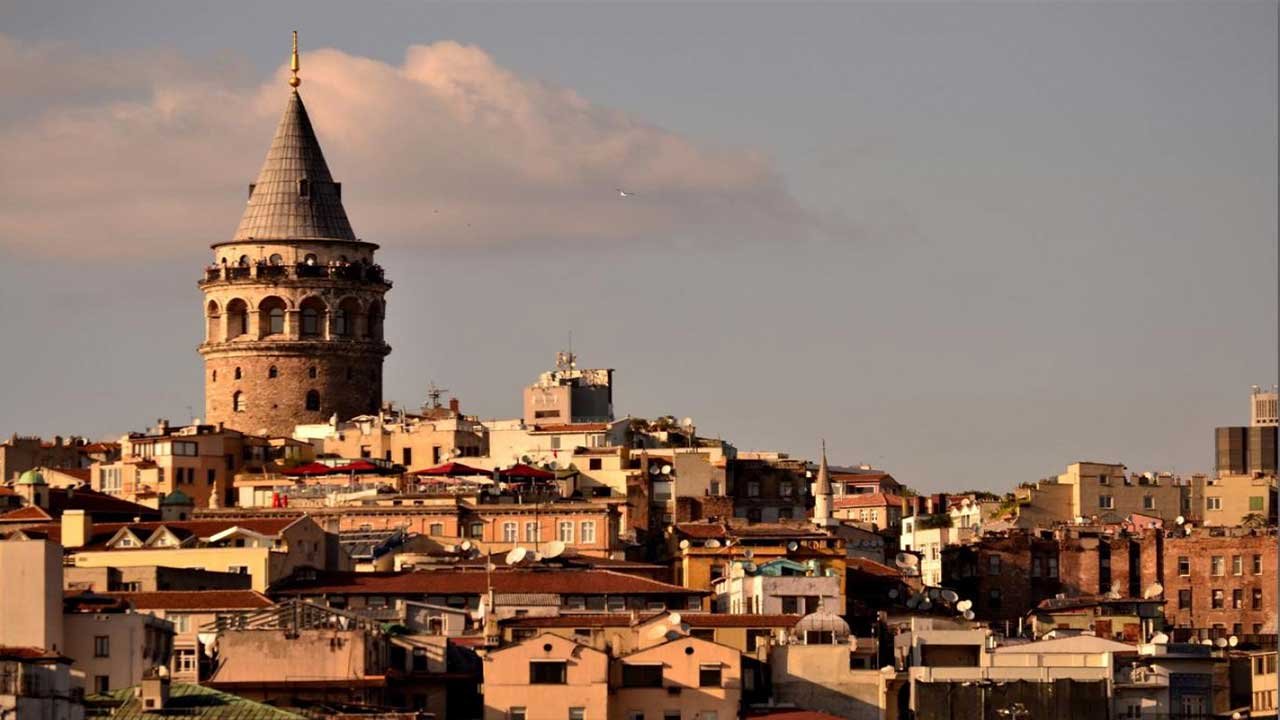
(1004, 575)
(1219, 580)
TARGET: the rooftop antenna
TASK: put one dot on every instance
(294, 66)
(434, 392)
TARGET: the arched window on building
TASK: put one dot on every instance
(215, 376)
(238, 373)
(272, 372)
(212, 316)
(341, 324)
(313, 317)
(375, 320)
(244, 261)
(313, 400)
(237, 401)
(344, 319)
(237, 318)
(276, 259)
(310, 259)
(271, 316)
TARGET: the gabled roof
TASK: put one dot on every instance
(29, 654)
(104, 532)
(877, 499)
(185, 700)
(277, 208)
(1073, 644)
(871, 567)
(30, 513)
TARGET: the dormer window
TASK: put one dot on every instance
(304, 188)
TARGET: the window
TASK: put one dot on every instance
(509, 532)
(1104, 480)
(1106, 502)
(1184, 599)
(994, 599)
(1217, 566)
(101, 684)
(436, 529)
(595, 464)
(635, 715)
(577, 713)
(709, 675)
(587, 532)
(547, 672)
(1035, 567)
(275, 320)
(993, 565)
(1237, 599)
(406, 456)
(785, 488)
(101, 646)
(1218, 599)
(566, 531)
(670, 715)
(790, 605)
(1184, 565)
(1257, 564)
(1237, 564)
(555, 442)
(181, 623)
(310, 321)
(642, 676)
(238, 374)
(272, 372)
(1257, 598)
(516, 713)
(313, 400)
(340, 325)
(1213, 503)
(753, 488)
(1148, 502)
(311, 372)
(237, 401)
(1053, 567)
(1255, 503)
(531, 532)
(477, 529)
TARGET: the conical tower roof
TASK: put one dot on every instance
(822, 484)
(295, 197)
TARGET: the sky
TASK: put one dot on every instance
(967, 242)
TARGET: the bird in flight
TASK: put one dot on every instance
(624, 193)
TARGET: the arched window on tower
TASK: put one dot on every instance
(276, 259)
(313, 400)
(237, 401)
(313, 317)
(244, 261)
(351, 313)
(272, 372)
(214, 377)
(311, 372)
(310, 259)
(341, 323)
(238, 373)
(271, 316)
(375, 320)
(212, 317)
(237, 318)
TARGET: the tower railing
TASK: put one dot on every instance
(352, 272)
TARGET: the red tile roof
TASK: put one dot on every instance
(870, 500)
(102, 532)
(695, 620)
(447, 582)
(714, 620)
(82, 474)
(196, 599)
(872, 567)
(8, 652)
(24, 514)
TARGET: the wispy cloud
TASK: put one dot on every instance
(130, 153)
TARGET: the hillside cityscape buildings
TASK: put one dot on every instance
(308, 549)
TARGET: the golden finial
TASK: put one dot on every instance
(294, 81)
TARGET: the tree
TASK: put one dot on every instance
(1253, 520)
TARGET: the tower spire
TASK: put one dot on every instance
(294, 66)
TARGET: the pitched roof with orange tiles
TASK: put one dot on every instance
(102, 532)
(696, 620)
(878, 499)
(871, 567)
(28, 654)
(30, 513)
(450, 582)
(196, 599)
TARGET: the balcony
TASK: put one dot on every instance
(262, 272)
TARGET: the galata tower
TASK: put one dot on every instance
(293, 303)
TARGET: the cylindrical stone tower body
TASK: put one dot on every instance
(293, 303)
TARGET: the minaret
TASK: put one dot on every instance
(293, 303)
(822, 493)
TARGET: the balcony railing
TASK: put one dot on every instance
(263, 272)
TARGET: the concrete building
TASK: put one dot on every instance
(1173, 680)
(546, 677)
(1264, 407)
(1232, 499)
(113, 646)
(21, 453)
(416, 441)
(1245, 450)
(777, 587)
(1101, 492)
(35, 684)
(569, 395)
(293, 302)
(953, 521)
(681, 676)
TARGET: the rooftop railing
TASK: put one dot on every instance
(358, 273)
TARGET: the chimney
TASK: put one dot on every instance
(57, 441)
(162, 426)
(77, 528)
(454, 405)
(153, 692)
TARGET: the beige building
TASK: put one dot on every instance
(569, 395)
(19, 454)
(37, 684)
(1105, 491)
(416, 441)
(682, 676)
(546, 677)
(1229, 499)
(1264, 407)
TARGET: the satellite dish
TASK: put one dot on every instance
(1233, 641)
(1188, 528)
(556, 548)
(934, 593)
(534, 556)
(888, 670)
(684, 544)
(748, 553)
(893, 593)
(913, 601)
(1207, 641)
(1220, 642)
(162, 671)
(666, 469)
(926, 604)
(712, 543)
(516, 556)
(793, 546)
(1153, 590)
(674, 619)
(968, 615)
(964, 605)
(750, 567)
(687, 422)
(1179, 520)
(906, 560)
(465, 546)
(950, 596)
(653, 470)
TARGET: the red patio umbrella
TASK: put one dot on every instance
(311, 469)
(450, 469)
(524, 472)
(358, 466)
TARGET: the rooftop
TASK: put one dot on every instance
(454, 582)
(185, 700)
(195, 599)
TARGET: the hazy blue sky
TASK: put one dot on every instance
(968, 242)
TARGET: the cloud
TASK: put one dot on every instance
(122, 154)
